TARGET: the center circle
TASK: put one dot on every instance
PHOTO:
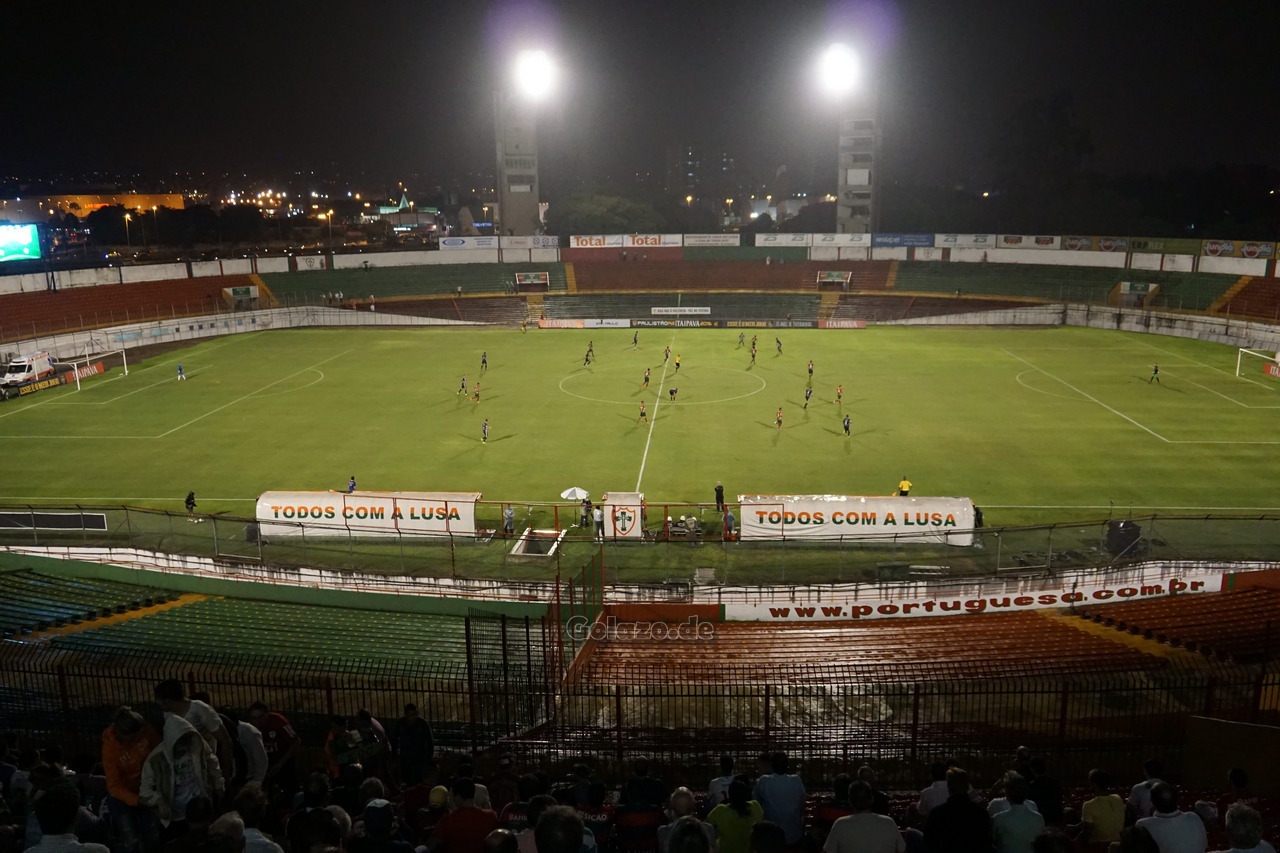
(611, 384)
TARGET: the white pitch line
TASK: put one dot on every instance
(127, 393)
(112, 500)
(1219, 393)
(251, 393)
(654, 420)
(1133, 506)
(1210, 366)
(1089, 397)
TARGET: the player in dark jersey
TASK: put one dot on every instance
(463, 389)
(672, 393)
(846, 424)
(484, 432)
(645, 384)
(643, 415)
(808, 392)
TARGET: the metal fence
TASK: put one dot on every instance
(505, 698)
(661, 557)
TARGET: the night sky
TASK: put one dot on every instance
(384, 86)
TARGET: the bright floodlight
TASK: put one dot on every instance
(535, 74)
(838, 69)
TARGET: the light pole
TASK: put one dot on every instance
(330, 229)
(840, 77)
(155, 216)
(516, 134)
(128, 241)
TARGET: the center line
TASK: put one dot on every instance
(662, 380)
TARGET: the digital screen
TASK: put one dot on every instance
(19, 243)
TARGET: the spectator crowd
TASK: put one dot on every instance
(206, 779)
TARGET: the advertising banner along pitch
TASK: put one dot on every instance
(367, 513)
(903, 519)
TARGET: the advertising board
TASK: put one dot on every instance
(903, 519)
(367, 513)
(455, 243)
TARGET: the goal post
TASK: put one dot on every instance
(1270, 362)
(82, 367)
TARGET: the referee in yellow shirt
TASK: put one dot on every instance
(904, 488)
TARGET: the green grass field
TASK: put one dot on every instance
(1034, 425)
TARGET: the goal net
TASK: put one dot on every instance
(1248, 360)
(82, 367)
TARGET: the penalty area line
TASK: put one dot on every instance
(1088, 397)
(251, 393)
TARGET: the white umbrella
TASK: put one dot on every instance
(574, 493)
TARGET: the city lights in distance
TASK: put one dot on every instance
(838, 70)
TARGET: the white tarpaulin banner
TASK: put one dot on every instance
(784, 239)
(533, 241)
(367, 513)
(484, 242)
(713, 239)
(596, 241)
(1022, 594)
(908, 519)
(842, 240)
(964, 241)
(1025, 241)
(652, 241)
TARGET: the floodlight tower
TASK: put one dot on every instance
(516, 131)
(839, 76)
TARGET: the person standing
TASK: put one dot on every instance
(904, 487)
(645, 384)
(782, 796)
(778, 419)
(839, 394)
(719, 496)
(643, 417)
(1155, 373)
(126, 743)
(635, 339)
(414, 744)
(351, 484)
(810, 371)
(463, 389)
(281, 743)
(475, 396)
(182, 377)
(753, 353)
(509, 520)
(742, 337)
(586, 359)
(778, 342)
(190, 503)
(846, 425)
(808, 392)
(484, 432)
(598, 517)
(677, 363)
(591, 348)
(484, 361)
(172, 698)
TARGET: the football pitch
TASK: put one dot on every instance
(1035, 425)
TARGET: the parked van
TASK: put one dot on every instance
(28, 368)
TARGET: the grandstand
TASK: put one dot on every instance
(243, 628)
(106, 305)
(388, 282)
(1241, 626)
(595, 276)
(32, 601)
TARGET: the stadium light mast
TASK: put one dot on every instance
(839, 75)
(127, 239)
(533, 79)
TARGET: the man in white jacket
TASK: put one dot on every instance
(181, 768)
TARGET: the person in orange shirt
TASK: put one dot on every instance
(126, 743)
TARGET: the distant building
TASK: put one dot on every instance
(44, 208)
(406, 218)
